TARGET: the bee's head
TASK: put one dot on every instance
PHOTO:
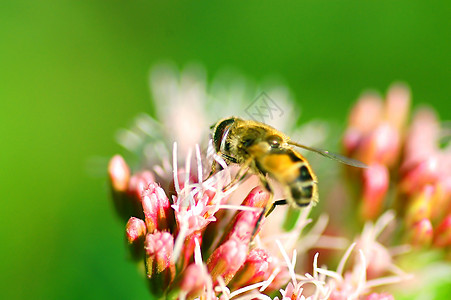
(219, 131)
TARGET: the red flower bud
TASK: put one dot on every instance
(160, 266)
(375, 186)
(156, 208)
(421, 233)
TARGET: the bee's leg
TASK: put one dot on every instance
(276, 203)
(242, 172)
(213, 169)
(269, 205)
(228, 159)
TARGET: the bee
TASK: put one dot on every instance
(268, 153)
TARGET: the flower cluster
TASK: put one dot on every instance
(409, 170)
(199, 238)
(192, 248)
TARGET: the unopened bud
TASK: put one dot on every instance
(397, 105)
(421, 233)
(366, 113)
(440, 204)
(156, 208)
(351, 141)
(421, 174)
(421, 142)
(380, 146)
(242, 227)
(135, 232)
(160, 266)
(119, 173)
(226, 260)
(255, 269)
(191, 283)
(375, 186)
(419, 207)
(139, 182)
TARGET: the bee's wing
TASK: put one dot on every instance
(343, 159)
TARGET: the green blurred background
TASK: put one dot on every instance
(73, 72)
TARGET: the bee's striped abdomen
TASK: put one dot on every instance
(302, 193)
(291, 169)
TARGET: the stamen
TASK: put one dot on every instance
(332, 242)
(362, 279)
(287, 260)
(197, 253)
(311, 239)
(182, 295)
(199, 164)
(178, 245)
(223, 288)
(382, 222)
(254, 296)
(398, 250)
(246, 289)
(239, 207)
(174, 167)
(159, 171)
(188, 166)
(341, 264)
(270, 279)
(385, 280)
(397, 270)
(293, 259)
(329, 273)
(318, 284)
(315, 265)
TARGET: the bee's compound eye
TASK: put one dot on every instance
(274, 141)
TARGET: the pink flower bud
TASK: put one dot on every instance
(442, 236)
(421, 233)
(160, 267)
(255, 269)
(194, 280)
(156, 208)
(351, 140)
(119, 173)
(397, 105)
(367, 113)
(421, 174)
(139, 182)
(257, 197)
(380, 146)
(226, 260)
(440, 202)
(135, 232)
(243, 224)
(419, 207)
(421, 141)
(375, 186)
